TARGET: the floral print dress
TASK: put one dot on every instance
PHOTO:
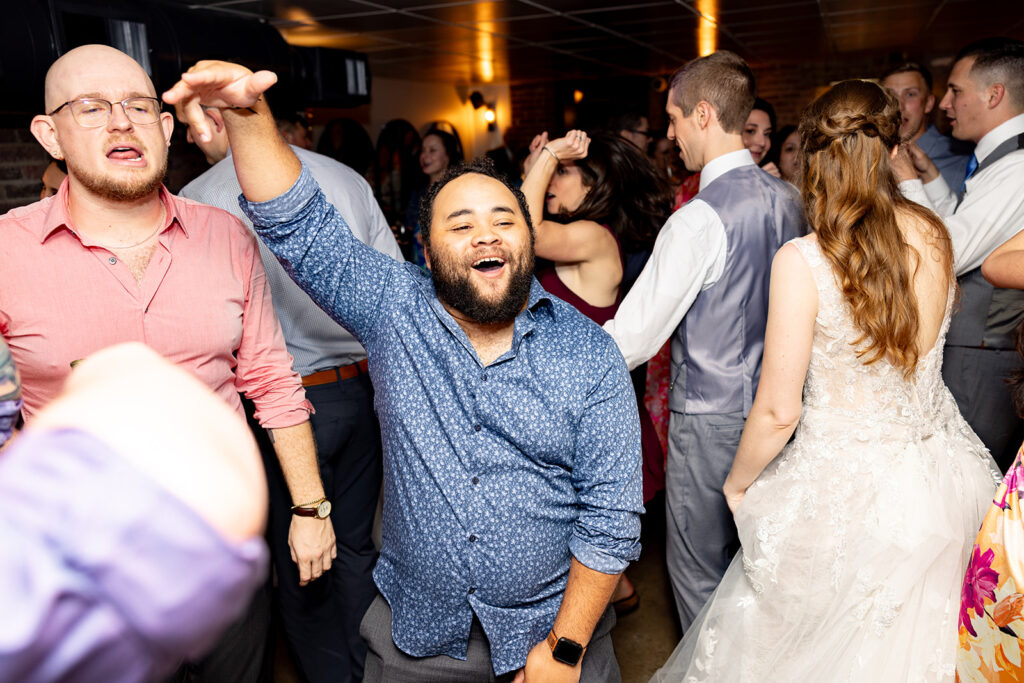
(992, 599)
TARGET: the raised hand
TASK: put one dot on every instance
(925, 167)
(771, 169)
(536, 149)
(903, 165)
(215, 84)
(573, 146)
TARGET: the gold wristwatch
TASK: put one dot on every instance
(318, 508)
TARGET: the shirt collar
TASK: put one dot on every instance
(995, 137)
(59, 216)
(721, 165)
(538, 296)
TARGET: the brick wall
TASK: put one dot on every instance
(22, 162)
(791, 87)
(534, 108)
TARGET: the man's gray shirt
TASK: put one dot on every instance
(315, 341)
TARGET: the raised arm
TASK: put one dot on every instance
(792, 307)
(570, 242)
(1004, 267)
(346, 278)
(265, 165)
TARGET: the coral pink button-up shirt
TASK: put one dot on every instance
(203, 303)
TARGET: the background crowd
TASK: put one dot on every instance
(602, 204)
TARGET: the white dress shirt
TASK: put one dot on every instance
(688, 257)
(993, 207)
(315, 341)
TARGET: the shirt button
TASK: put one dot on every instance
(472, 539)
(476, 428)
(112, 260)
(484, 377)
(472, 590)
(476, 480)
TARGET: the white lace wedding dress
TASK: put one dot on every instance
(855, 538)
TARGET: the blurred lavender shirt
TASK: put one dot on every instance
(105, 576)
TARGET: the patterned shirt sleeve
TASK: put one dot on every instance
(607, 473)
(346, 278)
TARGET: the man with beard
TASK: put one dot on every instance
(511, 438)
(114, 257)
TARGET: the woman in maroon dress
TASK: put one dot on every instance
(597, 206)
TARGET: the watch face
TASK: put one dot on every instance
(567, 651)
(323, 509)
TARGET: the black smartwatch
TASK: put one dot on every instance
(564, 650)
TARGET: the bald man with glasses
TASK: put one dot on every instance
(114, 257)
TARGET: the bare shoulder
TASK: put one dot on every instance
(791, 259)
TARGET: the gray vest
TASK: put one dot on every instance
(716, 350)
(987, 317)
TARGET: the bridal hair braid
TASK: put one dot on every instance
(852, 198)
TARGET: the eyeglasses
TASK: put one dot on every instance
(91, 113)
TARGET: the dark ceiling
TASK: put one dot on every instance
(465, 41)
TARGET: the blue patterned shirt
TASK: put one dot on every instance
(493, 475)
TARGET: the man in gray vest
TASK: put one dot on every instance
(706, 287)
(985, 101)
(321, 619)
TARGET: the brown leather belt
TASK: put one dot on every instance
(336, 374)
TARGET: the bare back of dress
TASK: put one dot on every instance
(855, 538)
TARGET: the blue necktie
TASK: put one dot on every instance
(972, 166)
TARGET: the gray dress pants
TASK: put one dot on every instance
(701, 537)
(385, 663)
(977, 380)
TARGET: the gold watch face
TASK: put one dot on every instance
(323, 509)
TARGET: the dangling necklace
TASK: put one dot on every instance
(159, 226)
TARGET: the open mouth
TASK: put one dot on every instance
(125, 153)
(489, 265)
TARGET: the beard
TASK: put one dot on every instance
(458, 291)
(137, 186)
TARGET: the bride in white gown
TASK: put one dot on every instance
(855, 538)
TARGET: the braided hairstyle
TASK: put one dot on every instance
(852, 198)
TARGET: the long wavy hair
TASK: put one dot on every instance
(626, 192)
(852, 198)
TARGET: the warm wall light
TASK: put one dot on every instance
(490, 117)
(707, 27)
(577, 96)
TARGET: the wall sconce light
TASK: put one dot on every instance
(577, 96)
(490, 117)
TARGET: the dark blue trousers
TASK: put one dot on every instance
(321, 620)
